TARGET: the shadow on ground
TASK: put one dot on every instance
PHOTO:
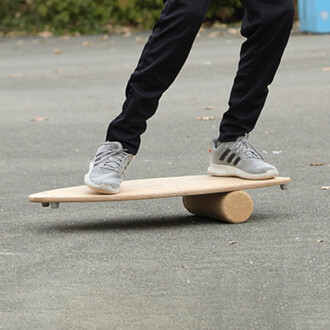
(126, 224)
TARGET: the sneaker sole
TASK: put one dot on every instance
(101, 188)
(224, 170)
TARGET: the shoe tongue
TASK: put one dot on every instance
(114, 145)
(216, 143)
(240, 138)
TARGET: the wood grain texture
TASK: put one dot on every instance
(230, 207)
(156, 188)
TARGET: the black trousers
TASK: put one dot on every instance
(266, 25)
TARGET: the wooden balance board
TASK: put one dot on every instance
(220, 198)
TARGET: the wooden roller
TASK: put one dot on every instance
(231, 207)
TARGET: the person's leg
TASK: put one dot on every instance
(162, 58)
(266, 25)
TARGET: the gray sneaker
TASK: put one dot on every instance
(107, 168)
(239, 158)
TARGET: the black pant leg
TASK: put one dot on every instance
(266, 25)
(162, 58)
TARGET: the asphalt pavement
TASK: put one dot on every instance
(150, 264)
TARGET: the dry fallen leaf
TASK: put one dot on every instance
(87, 43)
(316, 164)
(64, 37)
(232, 242)
(218, 25)
(206, 118)
(16, 75)
(39, 119)
(124, 30)
(104, 37)
(45, 34)
(233, 31)
(325, 187)
(57, 51)
(209, 107)
(140, 40)
(216, 34)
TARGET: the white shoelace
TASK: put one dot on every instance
(246, 148)
(112, 159)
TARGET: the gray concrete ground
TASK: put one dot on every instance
(149, 264)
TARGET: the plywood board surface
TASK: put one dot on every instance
(156, 188)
